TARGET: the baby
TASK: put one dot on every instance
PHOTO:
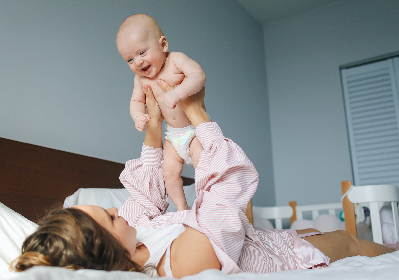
(143, 46)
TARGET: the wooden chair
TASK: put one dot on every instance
(372, 194)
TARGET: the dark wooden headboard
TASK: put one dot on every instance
(34, 179)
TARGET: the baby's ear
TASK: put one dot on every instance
(164, 43)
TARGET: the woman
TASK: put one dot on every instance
(214, 234)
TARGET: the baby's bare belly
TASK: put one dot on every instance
(173, 117)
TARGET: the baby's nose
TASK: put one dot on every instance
(138, 61)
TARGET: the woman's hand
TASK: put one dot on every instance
(153, 134)
(192, 106)
(153, 109)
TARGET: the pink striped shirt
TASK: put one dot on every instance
(225, 180)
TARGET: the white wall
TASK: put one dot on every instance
(64, 85)
(303, 55)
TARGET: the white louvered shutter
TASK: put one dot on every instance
(372, 112)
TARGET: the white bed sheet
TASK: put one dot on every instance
(14, 228)
(381, 267)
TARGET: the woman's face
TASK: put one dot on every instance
(116, 225)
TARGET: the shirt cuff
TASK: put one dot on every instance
(151, 156)
(208, 132)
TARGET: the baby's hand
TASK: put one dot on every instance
(141, 122)
(170, 99)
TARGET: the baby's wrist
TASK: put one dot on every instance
(135, 117)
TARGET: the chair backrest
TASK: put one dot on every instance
(372, 194)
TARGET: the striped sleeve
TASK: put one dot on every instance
(225, 181)
(143, 179)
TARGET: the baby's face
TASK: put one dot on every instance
(144, 52)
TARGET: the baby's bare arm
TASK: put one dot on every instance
(193, 82)
(194, 75)
(137, 103)
(137, 106)
(193, 106)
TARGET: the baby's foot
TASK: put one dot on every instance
(171, 99)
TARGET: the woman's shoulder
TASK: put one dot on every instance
(191, 253)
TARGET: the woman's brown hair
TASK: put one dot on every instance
(72, 239)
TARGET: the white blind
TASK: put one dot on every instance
(372, 111)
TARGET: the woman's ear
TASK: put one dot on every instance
(163, 42)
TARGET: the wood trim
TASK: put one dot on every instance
(34, 179)
(249, 212)
(293, 218)
(349, 209)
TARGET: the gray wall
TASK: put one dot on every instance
(303, 55)
(64, 85)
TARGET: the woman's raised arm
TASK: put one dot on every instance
(143, 177)
(153, 135)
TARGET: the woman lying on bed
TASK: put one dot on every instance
(214, 234)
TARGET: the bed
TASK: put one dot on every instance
(33, 179)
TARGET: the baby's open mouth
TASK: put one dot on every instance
(145, 68)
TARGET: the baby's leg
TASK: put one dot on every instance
(195, 151)
(341, 244)
(172, 168)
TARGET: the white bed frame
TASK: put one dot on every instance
(295, 212)
(373, 195)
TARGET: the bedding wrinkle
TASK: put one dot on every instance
(225, 181)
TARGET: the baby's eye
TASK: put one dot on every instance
(130, 61)
(143, 52)
(112, 217)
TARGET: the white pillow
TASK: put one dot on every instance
(108, 198)
(323, 223)
(14, 228)
(105, 198)
(262, 222)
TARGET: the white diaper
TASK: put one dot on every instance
(181, 139)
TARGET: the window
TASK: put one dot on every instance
(372, 112)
